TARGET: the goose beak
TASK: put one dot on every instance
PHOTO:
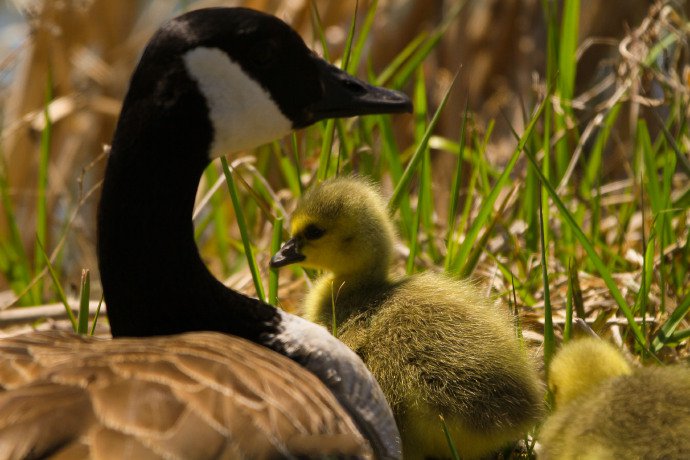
(347, 96)
(288, 254)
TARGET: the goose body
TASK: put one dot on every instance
(437, 346)
(607, 409)
(260, 383)
(81, 397)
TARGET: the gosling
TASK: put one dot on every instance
(437, 346)
(606, 409)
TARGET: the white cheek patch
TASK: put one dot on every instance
(242, 113)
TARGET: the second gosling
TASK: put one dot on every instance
(607, 410)
(436, 345)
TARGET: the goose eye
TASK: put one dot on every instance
(313, 232)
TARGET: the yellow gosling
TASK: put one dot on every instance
(436, 345)
(606, 409)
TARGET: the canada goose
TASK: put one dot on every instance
(437, 346)
(265, 384)
(606, 409)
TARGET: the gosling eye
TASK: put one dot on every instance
(313, 232)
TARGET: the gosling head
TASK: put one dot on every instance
(581, 365)
(341, 226)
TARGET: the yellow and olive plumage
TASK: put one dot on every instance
(606, 409)
(436, 345)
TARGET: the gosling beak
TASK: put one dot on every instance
(288, 254)
(347, 96)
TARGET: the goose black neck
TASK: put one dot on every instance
(154, 280)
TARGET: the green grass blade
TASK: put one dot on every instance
(276, 239)
(244, 230)
(647, 274)
(330, 125)
(483, 166)
(567, 62)
(289, 168)
(334, 300)
(544, 233)
(391, 155)
(595, 214)
(84, 291)
(473, 258)
(455, 194)
(326, 151)
(42, 186)
(680, 336)
(317, 27)
(567, 65)
(58, 287)
(466, 209)
(358, 47)
(593, 168)
(529, 209)
(414, 236)
(219, 219)
(661, 46)
(578, 301)
(408, 69)
(404, 182)
(400, 59)
(488, 203)
(263, 200)
(96, 316)
(19, 266)
(668, 328)
(297, 172)
(420, 114)
(660, 198)
(334, 322)
(647, 153)
(348, 41)
(570, 296)
(514, 310)
(4, 257)
(518, 287)
(681, 266)
(681, 158)
(591, 252)
(425, 205)
(532, 190)
(549, 336)
(451, 444)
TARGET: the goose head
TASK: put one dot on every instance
(582, 364)
(249, 74)
(342, 226)
(211, 82)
